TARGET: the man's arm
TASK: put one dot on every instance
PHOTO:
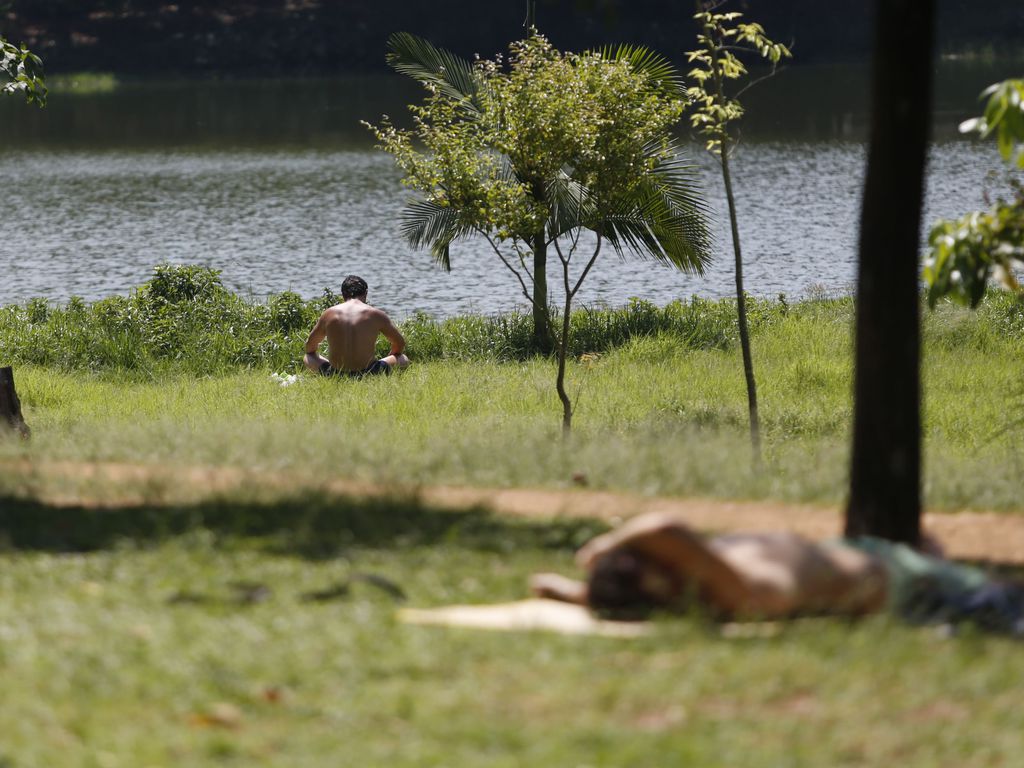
(554, 586)
(674, 546)
(312, 358)
(316, 336)
(392, 334)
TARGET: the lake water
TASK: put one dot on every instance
(277, 185)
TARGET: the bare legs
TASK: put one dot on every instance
(314, 361)
(401, 362)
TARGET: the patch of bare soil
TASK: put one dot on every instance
(967, 535)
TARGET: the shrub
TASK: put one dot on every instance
(188, 282)
(288, 312)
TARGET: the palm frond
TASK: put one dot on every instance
(426, 63)
(426, 223)
(679, 181)
(663, 218)
(506, 171)
(571, 205)
(653, 65)
(644, 233)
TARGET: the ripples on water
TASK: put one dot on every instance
(93, 224)
(275, 183)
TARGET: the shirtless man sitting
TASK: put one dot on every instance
(656, 561)
(351, 330)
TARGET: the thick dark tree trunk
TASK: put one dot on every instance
(10, 406)
(885, 495)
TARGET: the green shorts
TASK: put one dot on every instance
(921, 587)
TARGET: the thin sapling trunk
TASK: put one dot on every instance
(741, 310)
(563, 345)
(541, 318)
(715, 44)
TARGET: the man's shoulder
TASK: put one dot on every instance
(378, 314)
(352, 312)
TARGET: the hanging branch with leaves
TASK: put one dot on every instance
(966, 253)
(21, 71)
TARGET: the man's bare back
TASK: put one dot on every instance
(351, 329)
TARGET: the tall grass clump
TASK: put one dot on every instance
(182, 318)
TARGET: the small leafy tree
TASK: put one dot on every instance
(525, 154)
(722, 39)
(530, 155)
(965, 253)
(21, 71)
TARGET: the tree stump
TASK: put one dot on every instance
(10, 406)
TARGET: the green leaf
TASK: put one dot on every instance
(972, 125)
(655, 67)
(572, 205)
(426, 223)
(451, 75)
(664, 218)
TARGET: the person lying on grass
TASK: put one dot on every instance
(351, 330)
(656, 562)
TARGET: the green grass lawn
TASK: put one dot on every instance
(101, 666)
(654, 415)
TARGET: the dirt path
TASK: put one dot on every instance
(991, 536)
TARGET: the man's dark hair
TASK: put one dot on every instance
(614, 588)
(353, 287)
(621, 586)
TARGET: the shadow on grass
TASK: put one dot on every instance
(305, 525)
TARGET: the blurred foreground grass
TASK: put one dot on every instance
(207, 650)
